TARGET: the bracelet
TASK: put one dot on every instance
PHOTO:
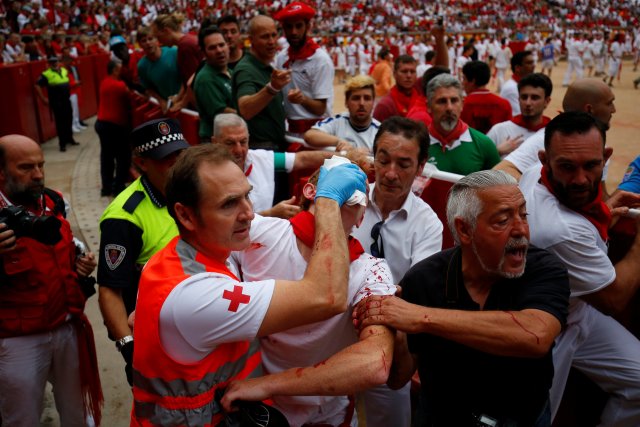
(272, 90)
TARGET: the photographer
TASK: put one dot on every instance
(44, 334)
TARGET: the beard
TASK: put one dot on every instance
(566, 193)
(512, 244)
(448, 123)
(23, 194)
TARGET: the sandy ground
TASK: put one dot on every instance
(76, 174)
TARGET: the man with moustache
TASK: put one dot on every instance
(212, 86)
(455, 147)
(310, 92)
(570, 219)
(534, 95)
(480, 317)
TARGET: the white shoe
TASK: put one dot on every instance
(76, 129)
(79, 126)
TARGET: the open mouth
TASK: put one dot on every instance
(517, 253)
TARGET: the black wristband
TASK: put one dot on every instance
(127, 352)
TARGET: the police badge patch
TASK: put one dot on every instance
(114, 254)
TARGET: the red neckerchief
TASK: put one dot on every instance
(516, 78)
(520, 122)
(308, 49)
(402, 101)
(304, 227)
(445, 140)
(597, 211)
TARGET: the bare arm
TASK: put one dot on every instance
(113, 312)
(404, 363)
(40, 94)
(250, 105)
(318, 138)
(310, 159)
(362, 365)
(285, 209)
(614, 298)
(525, 333)
(509, 168)
(442, 53)
(314, 106)
(322, 292)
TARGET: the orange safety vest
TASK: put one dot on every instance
(167, 392)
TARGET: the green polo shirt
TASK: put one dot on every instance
(213, 94)
(470, 156)
(249, 77)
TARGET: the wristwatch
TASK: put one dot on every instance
(123, 341)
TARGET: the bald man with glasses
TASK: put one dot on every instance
(399, 227)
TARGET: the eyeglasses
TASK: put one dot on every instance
(377, 251)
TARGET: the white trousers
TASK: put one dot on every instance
(574, 65)
(608, 354)
(385, 407)
(26, 364)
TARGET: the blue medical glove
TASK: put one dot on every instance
(340, 182)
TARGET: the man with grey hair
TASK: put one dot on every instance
(454, 146)
(480, 317)
(260, 166)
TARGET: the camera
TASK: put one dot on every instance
(44, 229)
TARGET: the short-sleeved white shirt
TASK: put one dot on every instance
(567, 234)
(507, 129)
(526, 155)
(274, 253)
(341, 127)
(314, 77)
(409, 235)
(260, 170)
(208, 309)
(510, 93)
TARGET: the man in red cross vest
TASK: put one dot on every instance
(196, 323)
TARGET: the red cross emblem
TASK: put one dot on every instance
(236, 297)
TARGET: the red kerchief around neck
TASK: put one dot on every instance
(520, 122)
(308, 49)
(403, 102)
(597, 211)
(304, 227)
(445, 140)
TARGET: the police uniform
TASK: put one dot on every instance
(137, 224)
(59, 91)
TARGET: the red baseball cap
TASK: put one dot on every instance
(295, 10)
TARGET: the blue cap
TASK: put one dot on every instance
(115, 40)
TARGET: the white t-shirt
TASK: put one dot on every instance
(274, 253)
(409, 235)
(510, 93)
(314, 77)
(202, 312)
(260, 170)
(567, 234)
(341, 127)
(501, 131)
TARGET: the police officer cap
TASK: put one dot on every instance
(295, 10)
(52, 58)
(116, 40)
(158, 138)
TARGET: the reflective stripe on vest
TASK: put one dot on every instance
(167, 392)
(181, 402)
(55, 78)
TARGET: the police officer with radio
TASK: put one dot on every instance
(44, 333)
(134, 227)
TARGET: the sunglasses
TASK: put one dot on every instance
(377, 250)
